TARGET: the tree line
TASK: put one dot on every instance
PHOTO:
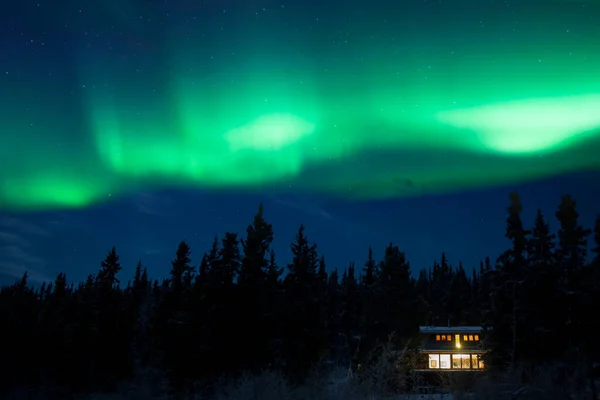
(237, 309)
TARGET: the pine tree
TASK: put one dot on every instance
(395, 297)
(506, 313)
(181, 269)
(540, 294)
(338, 352)
(254, 302)
(137, 315)
(458, 297)
(572, 240)
(441, 279)
(305, 342)
(110, 267)
(238, 314)
(356, 343)
(571, 251)
(228, 263)
(369, 325)
(370, 271)
(255, 246)
(222, 296)
(596, 243)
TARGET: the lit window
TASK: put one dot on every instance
(449, 338)
(466, 361)
(465, 338)
(445, 361)
(437, 338)
(471, 338)
(476, 338)
(474, 361)
(480, 363)
(443, 337)
(434, 361)
(456, 364)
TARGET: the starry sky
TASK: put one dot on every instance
(139, 124)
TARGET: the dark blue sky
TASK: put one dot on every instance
(65, 199)
(468, 226)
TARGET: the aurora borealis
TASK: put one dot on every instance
(429, 98)
(137, 124)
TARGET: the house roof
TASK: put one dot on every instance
(450, 329)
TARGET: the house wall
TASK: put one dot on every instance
(451, 349)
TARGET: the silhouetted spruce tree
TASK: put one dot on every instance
(338, 352)
(221, 296)
(111, 342)
(356, 343)
(396, 303)
(56, 319)
(577, 291)
(540, 294)
(440, 281)
(274, 272)
(571, 251)
(177, 334)
(369, 271)
(192, 326)
(257, 314)
(305, 333)
(423, 289)
(370, 325)
(592, 277)
(198, 348)
(484, 289)
(474, 304)
(180, 269)
(459, 296)
(106, 278)
(596, 242)
(322, 298)
(506, 314)
(277, 310)
(19, 311)
(139, 307)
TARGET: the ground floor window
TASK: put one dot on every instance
(434, 361)
(455, 361)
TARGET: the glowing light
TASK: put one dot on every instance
(405, 120)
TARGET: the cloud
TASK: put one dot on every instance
(347, 229)
(307, 207)
(17, 250)
(150, 203)
(21, 226)
(6, 237)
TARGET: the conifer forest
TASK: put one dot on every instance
(239, 310)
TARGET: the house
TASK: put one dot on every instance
(451, 348)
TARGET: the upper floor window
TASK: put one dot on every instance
(465, 338)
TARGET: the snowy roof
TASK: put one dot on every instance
(450, 329)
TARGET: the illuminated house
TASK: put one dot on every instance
(456, 348)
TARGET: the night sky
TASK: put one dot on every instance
(141, 123)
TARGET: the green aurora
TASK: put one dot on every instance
(382, 125)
